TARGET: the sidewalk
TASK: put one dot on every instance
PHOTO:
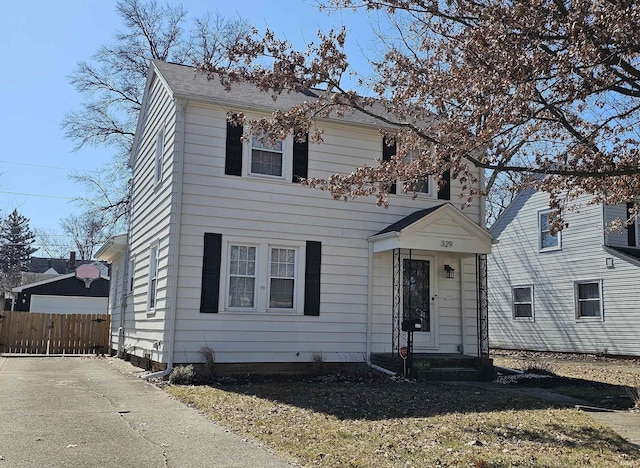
(87, 412)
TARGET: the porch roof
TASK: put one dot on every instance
(441, 228)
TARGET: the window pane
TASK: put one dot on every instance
(589, 291)
(523, 310)
(544, 221)
(265, 144)
(241, 292)
(522, 294)
(589, 308)
(265, 162)
(281, 296)
(548, 240)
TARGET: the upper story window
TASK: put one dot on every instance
(267, 157)
(157, 173)
(547, 240)
(420, 184)
(588, 298)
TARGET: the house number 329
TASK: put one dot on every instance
(446, 244)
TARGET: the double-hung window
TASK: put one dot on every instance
(588, 298)
(242, 276)
(262, 277)
(157, 172)
(546, 239)
(282, 278)
(267, 157)
(523, 302)
(419, 184)
(153, 277)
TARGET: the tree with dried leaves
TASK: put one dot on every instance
(545, 92)
(112, 83)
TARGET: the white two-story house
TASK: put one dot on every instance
(574, 291)
(227, 250)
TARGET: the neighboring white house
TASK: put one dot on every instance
(227, 251)
(576, 291)
(85, 291)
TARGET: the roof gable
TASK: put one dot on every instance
(440, 228)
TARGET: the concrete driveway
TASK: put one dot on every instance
(77, 412)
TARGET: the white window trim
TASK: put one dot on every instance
(580, 318)
(158, 164)
(513, 303)
(263, 277)
(154, 263)
(547, 211)
(287, 161)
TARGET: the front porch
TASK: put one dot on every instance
(439, 367)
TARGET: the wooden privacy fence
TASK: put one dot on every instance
(36, 333)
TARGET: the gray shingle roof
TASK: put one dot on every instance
(408, 220)
(186, 82)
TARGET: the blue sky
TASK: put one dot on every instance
(42, 42)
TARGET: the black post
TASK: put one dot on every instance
(409, 354)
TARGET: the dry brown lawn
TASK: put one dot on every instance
(336, 422)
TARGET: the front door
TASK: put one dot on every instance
(417, 300)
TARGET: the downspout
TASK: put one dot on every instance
(124, 299)
(175, 252)
(369, 301)
(463, 319)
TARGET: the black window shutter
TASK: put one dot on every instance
(387, 152)
(312, 278)
(300, 159)
(631, 228)
(233, 158)
(210, 292)
(444, 192)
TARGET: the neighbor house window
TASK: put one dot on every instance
(266, 156)
(547, 240)
(159, 156)
(588, 295)
(282, 278)
(153, 276)
(523, 302)
(242, 276)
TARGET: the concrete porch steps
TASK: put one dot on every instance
(440, 367)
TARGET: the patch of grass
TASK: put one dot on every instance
(389, 424)
(599, 381)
